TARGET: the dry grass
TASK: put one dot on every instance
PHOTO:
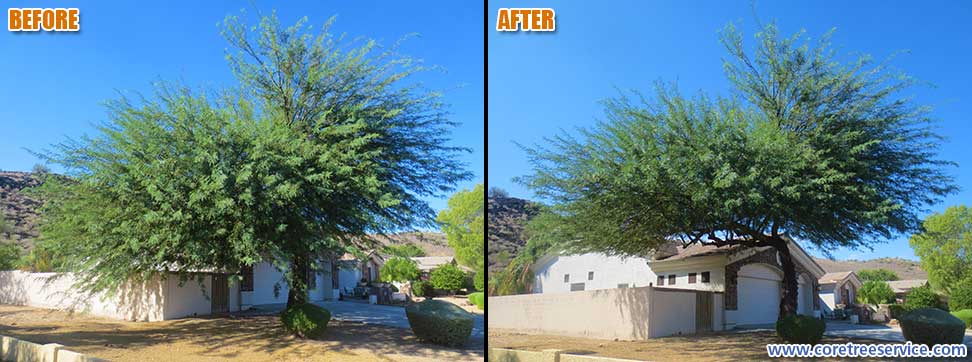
(749, 346)
(251, 338)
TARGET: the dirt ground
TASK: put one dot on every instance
(749, 346)
(250, 338)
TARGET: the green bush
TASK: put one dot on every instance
(478, 299)
(439, 322)
(875, 292)
(961, 297)
(965, 315)
(922, 297)
(305, 320)
(800, 329)
(931, 326)
(479, 280)
(447, 277)
(898, 310)
(9, 255)
(422, 289)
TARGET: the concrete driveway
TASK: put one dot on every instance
(389, 316)
(880, 332)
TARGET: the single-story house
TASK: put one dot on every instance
(353, 271)
(902, 287)
(749, 280)
(838, 288)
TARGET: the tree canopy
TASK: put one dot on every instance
(399, 269)
(464, 223)
(875, 292)
(407, 250)
(323, 144)
(807, 147)
(945, 248)
(880, 274)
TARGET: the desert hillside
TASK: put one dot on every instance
(507, 217)
(906, 269)
(433, 243)
(18, 209)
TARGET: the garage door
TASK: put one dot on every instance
(758, 291)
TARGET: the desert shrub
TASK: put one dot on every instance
(305, 320)
(961, 297)
(965, 315)
(881, 275)
(9, 255)
(922, 297)
(439, 322)
(447, 277)
(800, 329)
(423, 289)
(478, 299)
(931, 326)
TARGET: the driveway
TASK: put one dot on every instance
(880, 332)
(389, 316)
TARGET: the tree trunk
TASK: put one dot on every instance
(298, 283)
(788, 305)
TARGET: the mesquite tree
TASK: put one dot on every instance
(323, 144)
(808, 148)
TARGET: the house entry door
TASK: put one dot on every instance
(703, 311)
(220, 294)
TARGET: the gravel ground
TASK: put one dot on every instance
(247, 338)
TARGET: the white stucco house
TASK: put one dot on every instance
(747, 282)
(838, 288)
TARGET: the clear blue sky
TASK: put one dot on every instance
(544, 82)
(55, 83)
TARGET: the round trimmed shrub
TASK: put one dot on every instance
(800, 329)
(447, 277)
(478, 299)
(931, 326)
(922, 297)
(305, 320)
(965, 315)
(440, 322)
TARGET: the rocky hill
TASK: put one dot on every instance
(906, 269)
(506, 217)
(433, 243)
(19, 210)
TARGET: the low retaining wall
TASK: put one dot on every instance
(142, 302)
(15, 350)
(625, 314)
(548, 355)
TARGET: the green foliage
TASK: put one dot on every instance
(965, 315)
(439, 322)
(479, 299)
(945, 248)
(880, 274)
(875, 292)
(961, 296)
(305, 320)
(323, 144)
(423, 289)
(479, 280)
(464, 223)
(41, 259)
(407, 250)
(399, 269)
(931, 326)
(447, 277)
(922, 297)
(40, 169)
(898, 310)
(800, 329)
(5, 226)
(9, 255)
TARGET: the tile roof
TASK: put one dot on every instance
(833, 277)
(903, 286)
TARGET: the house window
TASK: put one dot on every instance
(705, 277)
(691, 278)
(671, 279)
(623, 286)
(590, 275)
(577, 287)
(566, 278)
(661, 280)
(246, 285)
